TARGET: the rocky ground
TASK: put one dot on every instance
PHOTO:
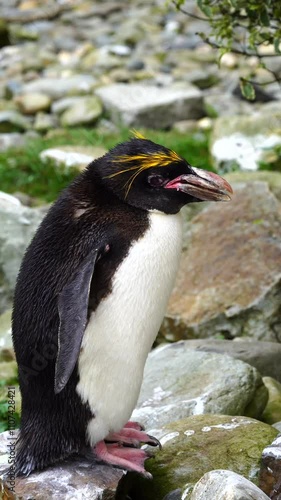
(214, 404)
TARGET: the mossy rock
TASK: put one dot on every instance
(198, 444)
(272, 412)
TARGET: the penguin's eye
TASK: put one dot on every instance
(156, 180)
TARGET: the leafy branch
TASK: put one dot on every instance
(241, 27)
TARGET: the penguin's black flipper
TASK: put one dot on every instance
(73, 308)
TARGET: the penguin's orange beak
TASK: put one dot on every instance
(202, 184)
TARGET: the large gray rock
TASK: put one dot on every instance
(272, 179)
(18, 224)
(143, 105)
(226, 485)
(264, 356)
(57, 88)
(71, 479)
(229, 281)
(179, 382)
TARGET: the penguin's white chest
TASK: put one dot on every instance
(121, 331)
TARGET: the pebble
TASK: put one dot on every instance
(12, 121)
(59, 87)
(30, 104)
(11, 140)
(86, 111)
(120, 50)
(44, 122)
(72, 156)
(136, 65)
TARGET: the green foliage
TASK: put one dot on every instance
(240, 26)
(259, 20)
(22, 170)
(4, 426)
(272, 160)
(4, 419)
(247, 89)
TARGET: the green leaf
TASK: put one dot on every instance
(205, 8)
(262, 64)
(179, 3)
(276, 44)
(247, 89)
(264, 18)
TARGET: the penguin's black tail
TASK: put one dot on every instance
(37, 450)
(53, 427)
(25, 459)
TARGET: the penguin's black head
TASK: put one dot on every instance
(152, 177)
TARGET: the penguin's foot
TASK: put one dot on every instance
(132, 437)
(124, 457)
(134, 425)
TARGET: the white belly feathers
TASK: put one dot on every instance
(121, 331)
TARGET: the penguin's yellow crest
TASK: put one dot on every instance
(143, 161)
(137, 134)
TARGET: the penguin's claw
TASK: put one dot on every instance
(132, 437)
(131, 459)
(154, 442)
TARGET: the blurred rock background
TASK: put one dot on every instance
(75, 77)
